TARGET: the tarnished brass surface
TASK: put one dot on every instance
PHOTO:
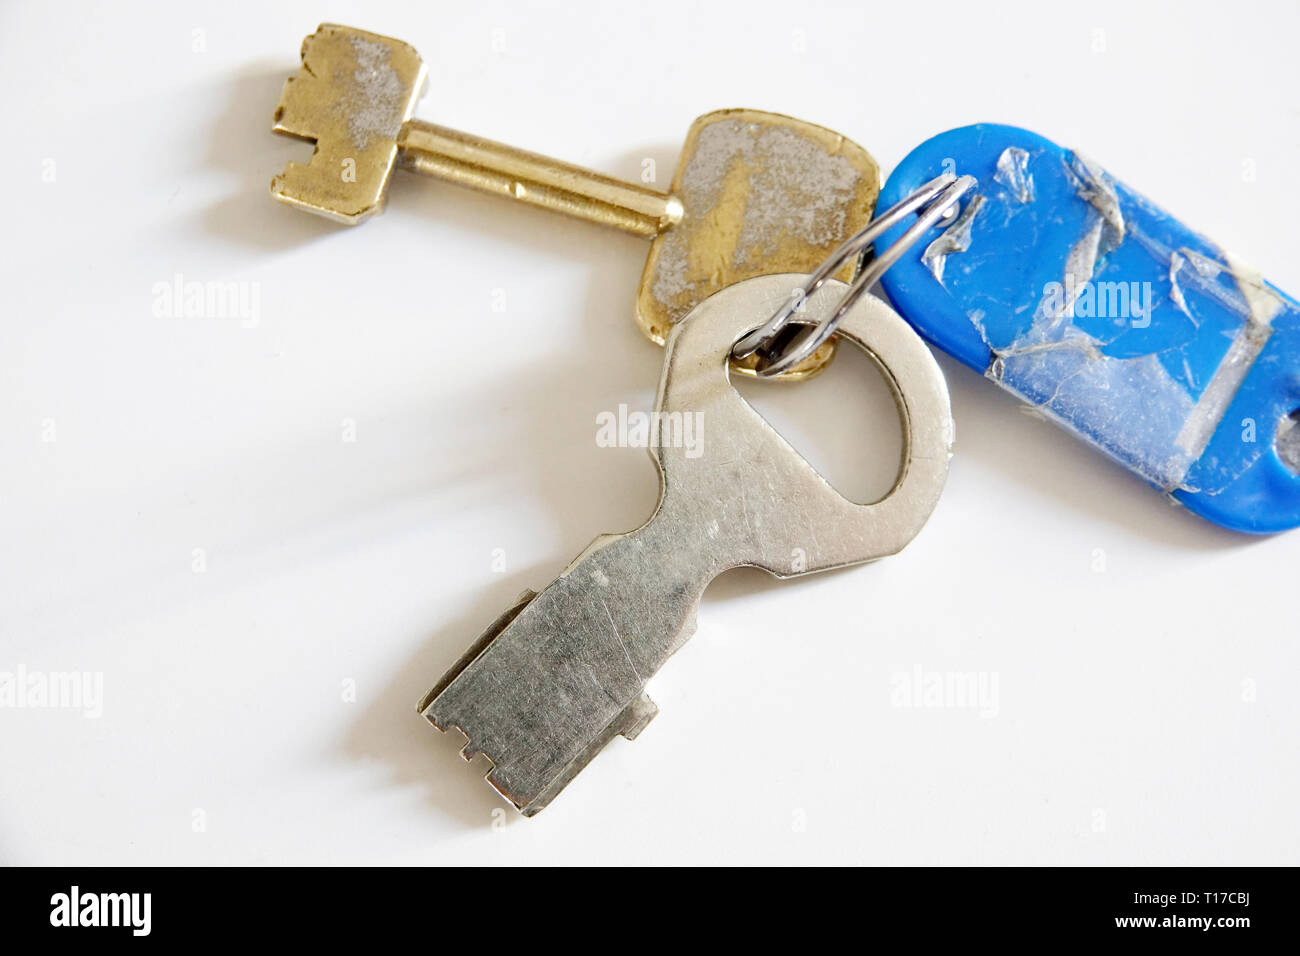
(538, 180)
(754, 193)
(761, 193)
(353, 95)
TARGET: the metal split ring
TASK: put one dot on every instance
(934, 199)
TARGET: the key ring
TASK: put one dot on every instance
(935, 199)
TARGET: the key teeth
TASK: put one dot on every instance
(527, 800)
(628, 725)
(351, 96)
(468, 752)
(299, 104)
(426, 706)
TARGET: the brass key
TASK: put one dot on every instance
(754, 193)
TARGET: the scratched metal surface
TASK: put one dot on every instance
(568, 671)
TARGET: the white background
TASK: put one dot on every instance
(1145, 660)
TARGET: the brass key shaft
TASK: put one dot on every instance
(538, 180)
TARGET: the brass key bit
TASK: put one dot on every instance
(754, 193)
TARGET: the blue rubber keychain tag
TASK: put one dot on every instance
(1081, 297)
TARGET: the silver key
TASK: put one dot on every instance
(562, 672)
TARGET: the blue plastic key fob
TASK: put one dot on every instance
(1083, 298)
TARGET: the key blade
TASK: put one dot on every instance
(445, 716)
(554, 680)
